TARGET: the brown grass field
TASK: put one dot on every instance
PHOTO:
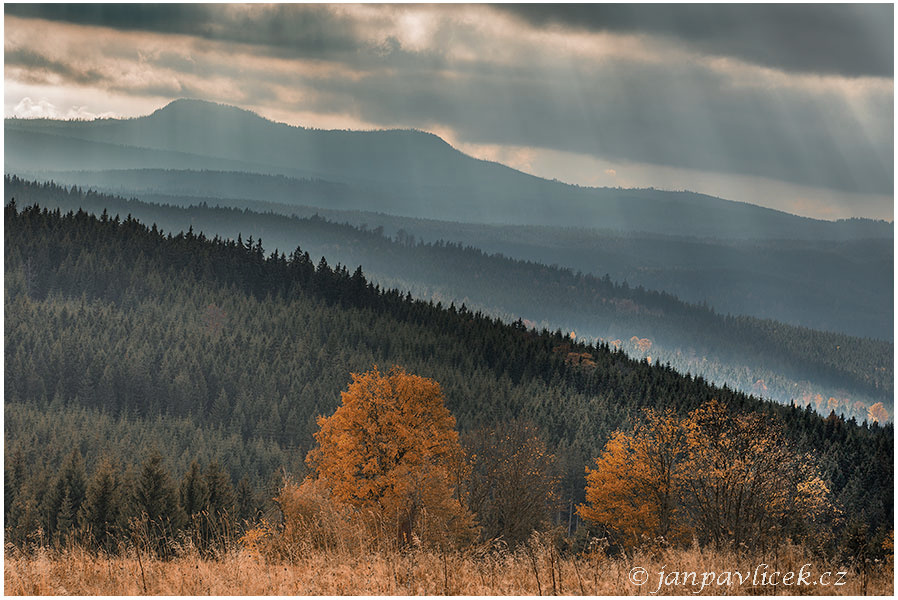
(535, 570)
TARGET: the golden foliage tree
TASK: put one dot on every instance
(743, 482)
(878, 413)
(633, 489)
(724, 478)
(391, 448)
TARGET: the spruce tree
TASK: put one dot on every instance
(246, 501)
(14, 477)
(195, 503)
(101, 516)
(221, 491)
(156, 504)
(24, 520)
(220, 507)
(71, 484)
(65, 521)
(194, 491)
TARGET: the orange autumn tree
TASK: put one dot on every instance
(392, 450)
(633, 490)
(744, 483)
(878, 413)
(723, 478)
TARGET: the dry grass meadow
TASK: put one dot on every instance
(534, 570)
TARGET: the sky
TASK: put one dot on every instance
(785, 106)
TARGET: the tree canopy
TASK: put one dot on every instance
(392, 447)
(719, 477)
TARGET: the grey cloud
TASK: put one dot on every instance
(679, 115)
(675, 115)
(650, 114)
(40, 65)
(148, 17)
(294, 31)
(286, 30)
(38, 68)
(844, 39)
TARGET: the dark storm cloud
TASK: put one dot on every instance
(288, 30)
(150, 17)
(40, 66)
(844, 39)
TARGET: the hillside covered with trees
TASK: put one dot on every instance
(838, 278)
(828, 371)
(130, 354)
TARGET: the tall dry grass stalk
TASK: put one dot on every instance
(342, 570)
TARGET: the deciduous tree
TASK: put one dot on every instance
(728, 479)
(743, 483)
(392, 447)
(513, 481)
(633, 491)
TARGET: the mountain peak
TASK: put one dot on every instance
(193, 107)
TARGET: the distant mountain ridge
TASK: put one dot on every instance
(402, 172)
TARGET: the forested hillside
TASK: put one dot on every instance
(825, 370)
(822, 283)
(120, 339)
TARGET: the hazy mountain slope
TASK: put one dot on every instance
(55, 147)
(844, 286)
(758, 356)
(417, 172)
